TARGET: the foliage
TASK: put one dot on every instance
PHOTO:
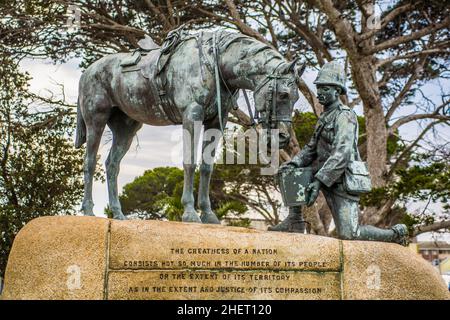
(427, 180)
(157, 195)
(244, 223)
(304, 124)
(40, 171)
(390, 69)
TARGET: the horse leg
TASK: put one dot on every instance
(95, 124)
(192, 116)
(123, 129)
(213, 134)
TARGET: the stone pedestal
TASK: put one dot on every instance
(95, 258)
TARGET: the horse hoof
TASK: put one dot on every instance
(209, 218)
(120, 217)
(190, 217)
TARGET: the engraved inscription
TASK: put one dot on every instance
(224, 258)
(223, 285)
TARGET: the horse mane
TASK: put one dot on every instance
(226, 38)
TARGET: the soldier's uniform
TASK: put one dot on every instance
(329, 152)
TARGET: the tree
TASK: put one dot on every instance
(392, 54)
(40, 171)
(235, 189)
(243, 182)
(389, 71)
(157, 195)
(390, 65)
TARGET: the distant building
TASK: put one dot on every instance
(434, 251)
(255, 223)
(444, 266)
(447, 280)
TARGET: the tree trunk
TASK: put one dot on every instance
(363, 70)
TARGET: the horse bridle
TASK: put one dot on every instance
(271, 115)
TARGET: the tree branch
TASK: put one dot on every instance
(412, 145)
(50, 101)
(254, 206)
(215, 16)
(342, 27)
(156, 11)
(399, 98)
(117, 27)
(413, 117)
(271, 30)
(354, 102)
(402, 39)
(431, 227)
(387, 18)
(171, 13)
(383, 62)
(272, 203)
(311, 97)
(306, 33)
(11, 193)
(244, 28)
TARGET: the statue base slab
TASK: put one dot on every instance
(68, 257)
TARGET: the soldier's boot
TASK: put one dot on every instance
(401, 234)
(294, 222)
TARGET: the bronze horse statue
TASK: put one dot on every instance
(190, 79)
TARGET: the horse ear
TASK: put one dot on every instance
(291, 66)
(288, 67)
(299, 71)
(296, 67)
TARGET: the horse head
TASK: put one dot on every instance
(275, 97)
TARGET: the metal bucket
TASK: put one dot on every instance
(293, 183)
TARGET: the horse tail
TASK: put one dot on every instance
(80, 138)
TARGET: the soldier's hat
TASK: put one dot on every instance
(332, 73)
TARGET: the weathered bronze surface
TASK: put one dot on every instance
(177, 84)
(66, 257)
(331, 152)
(293, 183)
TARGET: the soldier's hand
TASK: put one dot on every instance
(288, 165)
(313, 192)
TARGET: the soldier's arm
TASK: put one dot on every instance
(307, 155)
(344, 138)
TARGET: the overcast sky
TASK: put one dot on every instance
(154, 146)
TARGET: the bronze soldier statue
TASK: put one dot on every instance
(330, 151)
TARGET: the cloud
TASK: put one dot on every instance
(154, 146)
(150, 149)
(46, 76)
